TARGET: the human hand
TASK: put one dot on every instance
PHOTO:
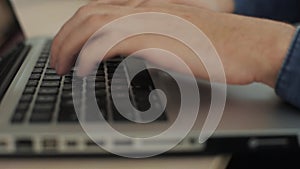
(215, 5)
(251, 49)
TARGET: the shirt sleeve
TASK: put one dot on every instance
(288, 83)
(281, 10)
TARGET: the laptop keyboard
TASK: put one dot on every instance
(47, 97)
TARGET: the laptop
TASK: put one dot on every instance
(38, 116)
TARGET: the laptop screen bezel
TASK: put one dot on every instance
(15, 36)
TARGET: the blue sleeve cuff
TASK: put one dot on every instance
(245, 7)
(288, 83)
(282, 10)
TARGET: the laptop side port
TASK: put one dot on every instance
(123, 143)
(3, 144)
(49, 144)
(71, 143)
(24, 145)
(91, 143)
(193, 141)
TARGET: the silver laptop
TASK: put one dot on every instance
(38, 117)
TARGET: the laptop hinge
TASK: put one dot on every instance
(9, 66)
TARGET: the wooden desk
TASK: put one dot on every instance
(45, 17)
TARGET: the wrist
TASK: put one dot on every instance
(275, 52)
(225, 6)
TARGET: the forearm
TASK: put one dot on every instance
(282, 10)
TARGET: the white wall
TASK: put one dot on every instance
(45, 17)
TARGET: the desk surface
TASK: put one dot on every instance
(44, 17)
(117, 163)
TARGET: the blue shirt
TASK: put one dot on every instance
(288, 83)
(281, 10)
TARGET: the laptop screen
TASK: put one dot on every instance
(10, 31)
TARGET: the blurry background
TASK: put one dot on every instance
(45, 17)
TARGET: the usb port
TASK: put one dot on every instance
(123, 142)
(71, 143)
(49, 144)
(24, 145)
(3, 143)
(91, 143)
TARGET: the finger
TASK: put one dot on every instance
(169, 4)
(68, 27)
(78, 18)
(128, 3)
(76, 39)
(91, 55)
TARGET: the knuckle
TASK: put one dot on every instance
(98, 18)
(92, 19)
(63, 28)
(54, 45)
(83, 10)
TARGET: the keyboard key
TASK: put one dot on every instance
(96, 79)
(20, 113)
(22, 106)
(52, 78)
(18, 116)
(50, 84)
(35, 77)
(67, 87)
(67, 115)
(68, 81)
(97, 86)
(123, 107)
(42, 113)
(115, 75)
(41, 117)
(46, 99)
(142, 79)
(69, 75)
(67, 95)
(51, 72)
(45, 53)
(48, 91)
(26, 98)
(100, 74)
(29, 90)
(32, 83)
(143, 106)
(39, 107)
(100, 93)
(40, 65)
(37, 70)
(42, 60)
(67, 103)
